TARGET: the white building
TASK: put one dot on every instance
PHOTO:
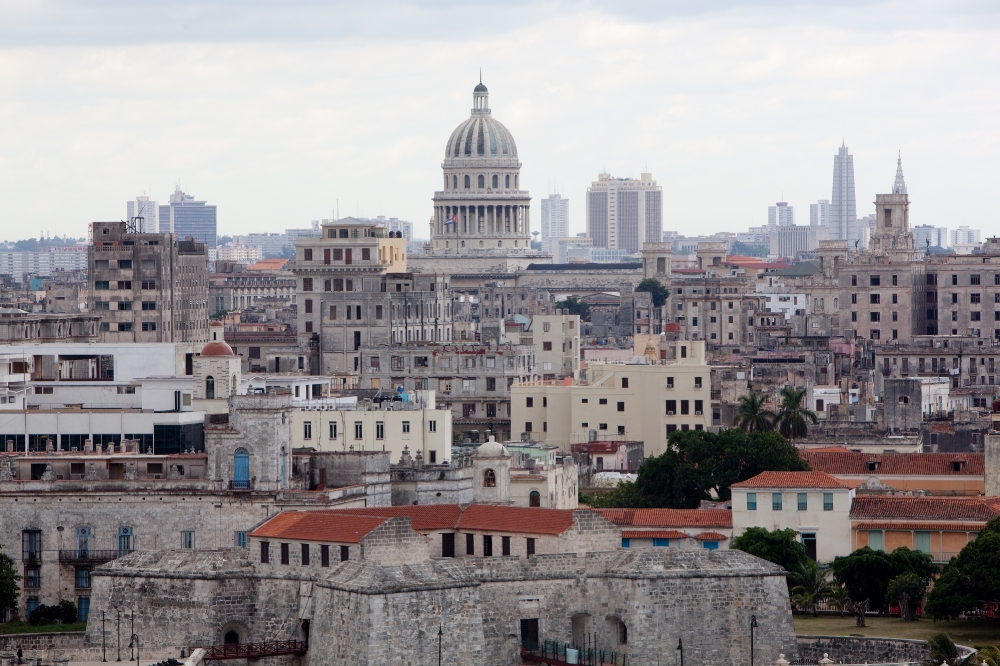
(236, 252)
(557, 340)
(560, 247)
(926, 235)
(45, 261)
(272, 245)
(790, 240)
(624, 213)
(819, 213)
(786, 304)
(555, 220)
(966, 236)
(148, 210)
(781, 214)
(814, 504)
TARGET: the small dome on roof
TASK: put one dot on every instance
(217, 323)
(480, 88)
(492, 449)
(217, 348)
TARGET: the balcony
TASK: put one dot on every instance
(239, 485)
(90, 556)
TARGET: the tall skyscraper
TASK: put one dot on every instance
(147, 210)
(191, 218)
(926, 235)
(843, 205)
(624, 213)
(966, 236)
(781, 214)
(819, 213)
(555, 220)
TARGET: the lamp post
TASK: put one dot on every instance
(134, 641)
(440, 637)
(131, 629)
(118, 641)
(104, 656)
(753, 625)
(680, 647)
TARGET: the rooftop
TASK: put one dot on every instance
(792, 480)
(669, 517)
(870, 507)
(836, 460)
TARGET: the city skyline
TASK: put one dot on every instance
(357, 123)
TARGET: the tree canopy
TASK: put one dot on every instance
(9, 591)
(866, 573)
(656, 288)
(698, 463)
(793, 416)
(779, 546)
(752, 415)
(972, 576)
(574, 306)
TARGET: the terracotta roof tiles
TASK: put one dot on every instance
(710, 536)
(669, 517)
(516, 519)
(792, 480)
(868, 507)
(894, 464)
(332, 526)
(653, 534)
(425, 517)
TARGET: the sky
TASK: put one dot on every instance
(283, 113)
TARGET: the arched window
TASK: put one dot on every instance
(454, 182)
(535, 498)
(241, 468)
(210, 387)
(496, 181)
(468, 183)
(506, 181)
(482, 181)
(489, 479)
(235, 388)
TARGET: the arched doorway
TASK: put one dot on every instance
(241, 468)
(232, 637)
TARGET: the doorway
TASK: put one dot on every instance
(529, 632)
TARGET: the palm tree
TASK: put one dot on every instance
(793, 416)
(837, 597)
(751, 414)
(812, 586)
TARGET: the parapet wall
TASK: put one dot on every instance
(857, 650)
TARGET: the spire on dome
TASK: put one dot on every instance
(480, 97)
(899, 187)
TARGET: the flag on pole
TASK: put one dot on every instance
(451, 220)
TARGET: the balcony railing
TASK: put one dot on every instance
(89, 556)
(239, 485)
(254, 650)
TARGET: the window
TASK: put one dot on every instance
(149, 305)
(345, 553)
(624, 382)
(671, 407)
(875, 280)
(33, 578)
(102, 285)
(359, 431)
(876, 539)
(307, 430)
(82, 608)
(751, 501)
(379, 430)
(621, 406)
(661, 543)
(470, 544)
(305, 554)
(698, 406)
(670, 382)
(505, 546)
(803, 501)
(333, 430)
(149, 325)
(491, 383)
(307, 254)
(366, 254)
(187, 539)
(309, 306)
(923, 542)
(125, 537)
(284, 553)
(685, 407)
(307, 284)
(697, 382)
(626, 543)
(547, 346)
(530, 546)
(602, 401)
(148, 284)
(324, 555)
(874, 299)
(828, 501)
(487, 545)
(775, 501)
(490, 479)
(529, 401)
(406, 426)
(874, 316)
(240, 539)
(432, 426)
(974, 279)
(854, 298)
(265, 556)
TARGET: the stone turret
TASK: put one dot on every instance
(491, 464)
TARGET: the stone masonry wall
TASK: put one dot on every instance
(395, 542)
(856, 650)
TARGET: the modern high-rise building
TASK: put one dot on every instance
(966, 236)
(624, 213)
(819, 213)
(555, 220)
(188, 217)
(148, 210)
(926, 235)
(843, 204)
(781, 214)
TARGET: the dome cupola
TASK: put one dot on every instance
(481, 136)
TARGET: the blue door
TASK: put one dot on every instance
(83, 542)
(241, 468)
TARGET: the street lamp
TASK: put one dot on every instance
(753, 625)
(104, 656)
(680, 646)
(440, 636)
(118, 641)
(134, 642)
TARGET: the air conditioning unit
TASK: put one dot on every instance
(670, 413)
(697, 413)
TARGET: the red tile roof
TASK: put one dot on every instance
(710, 536)
(792, 480)
(515, 519)
(944, 527)
(425, 517)
(669, 517)
(867, 507)
(653, 534)
(331, 526)
(894, 464)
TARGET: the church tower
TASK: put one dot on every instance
(491, 466)
(892, 237)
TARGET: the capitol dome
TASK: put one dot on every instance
(481, 135)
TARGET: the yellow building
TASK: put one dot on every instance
(632, 401)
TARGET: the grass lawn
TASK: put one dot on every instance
(18, 627)
(964, 632)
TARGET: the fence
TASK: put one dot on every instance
(557, 652)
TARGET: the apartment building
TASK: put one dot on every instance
(639, 402)
(962, 293)
(557, 344)
(148, 287)
(353, 290)
(247, 289)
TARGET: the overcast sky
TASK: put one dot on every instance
(275, 112)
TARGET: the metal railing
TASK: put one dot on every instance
(89, 556)
(253, 650)
(239, 485)
(557, 652)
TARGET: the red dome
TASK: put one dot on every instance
(217, 348)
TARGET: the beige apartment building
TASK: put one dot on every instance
(644, 402)
(557, 342)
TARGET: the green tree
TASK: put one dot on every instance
(811, 585)
(574, 306)
(866, 573)
(972, 576)
(907, 590)
(838, 596)
(793, 416)
(942, 648)
(654, 287)
(751, 415)
(9, 591)
(782, 547)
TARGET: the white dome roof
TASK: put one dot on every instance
(481, 135)
(492, 449)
